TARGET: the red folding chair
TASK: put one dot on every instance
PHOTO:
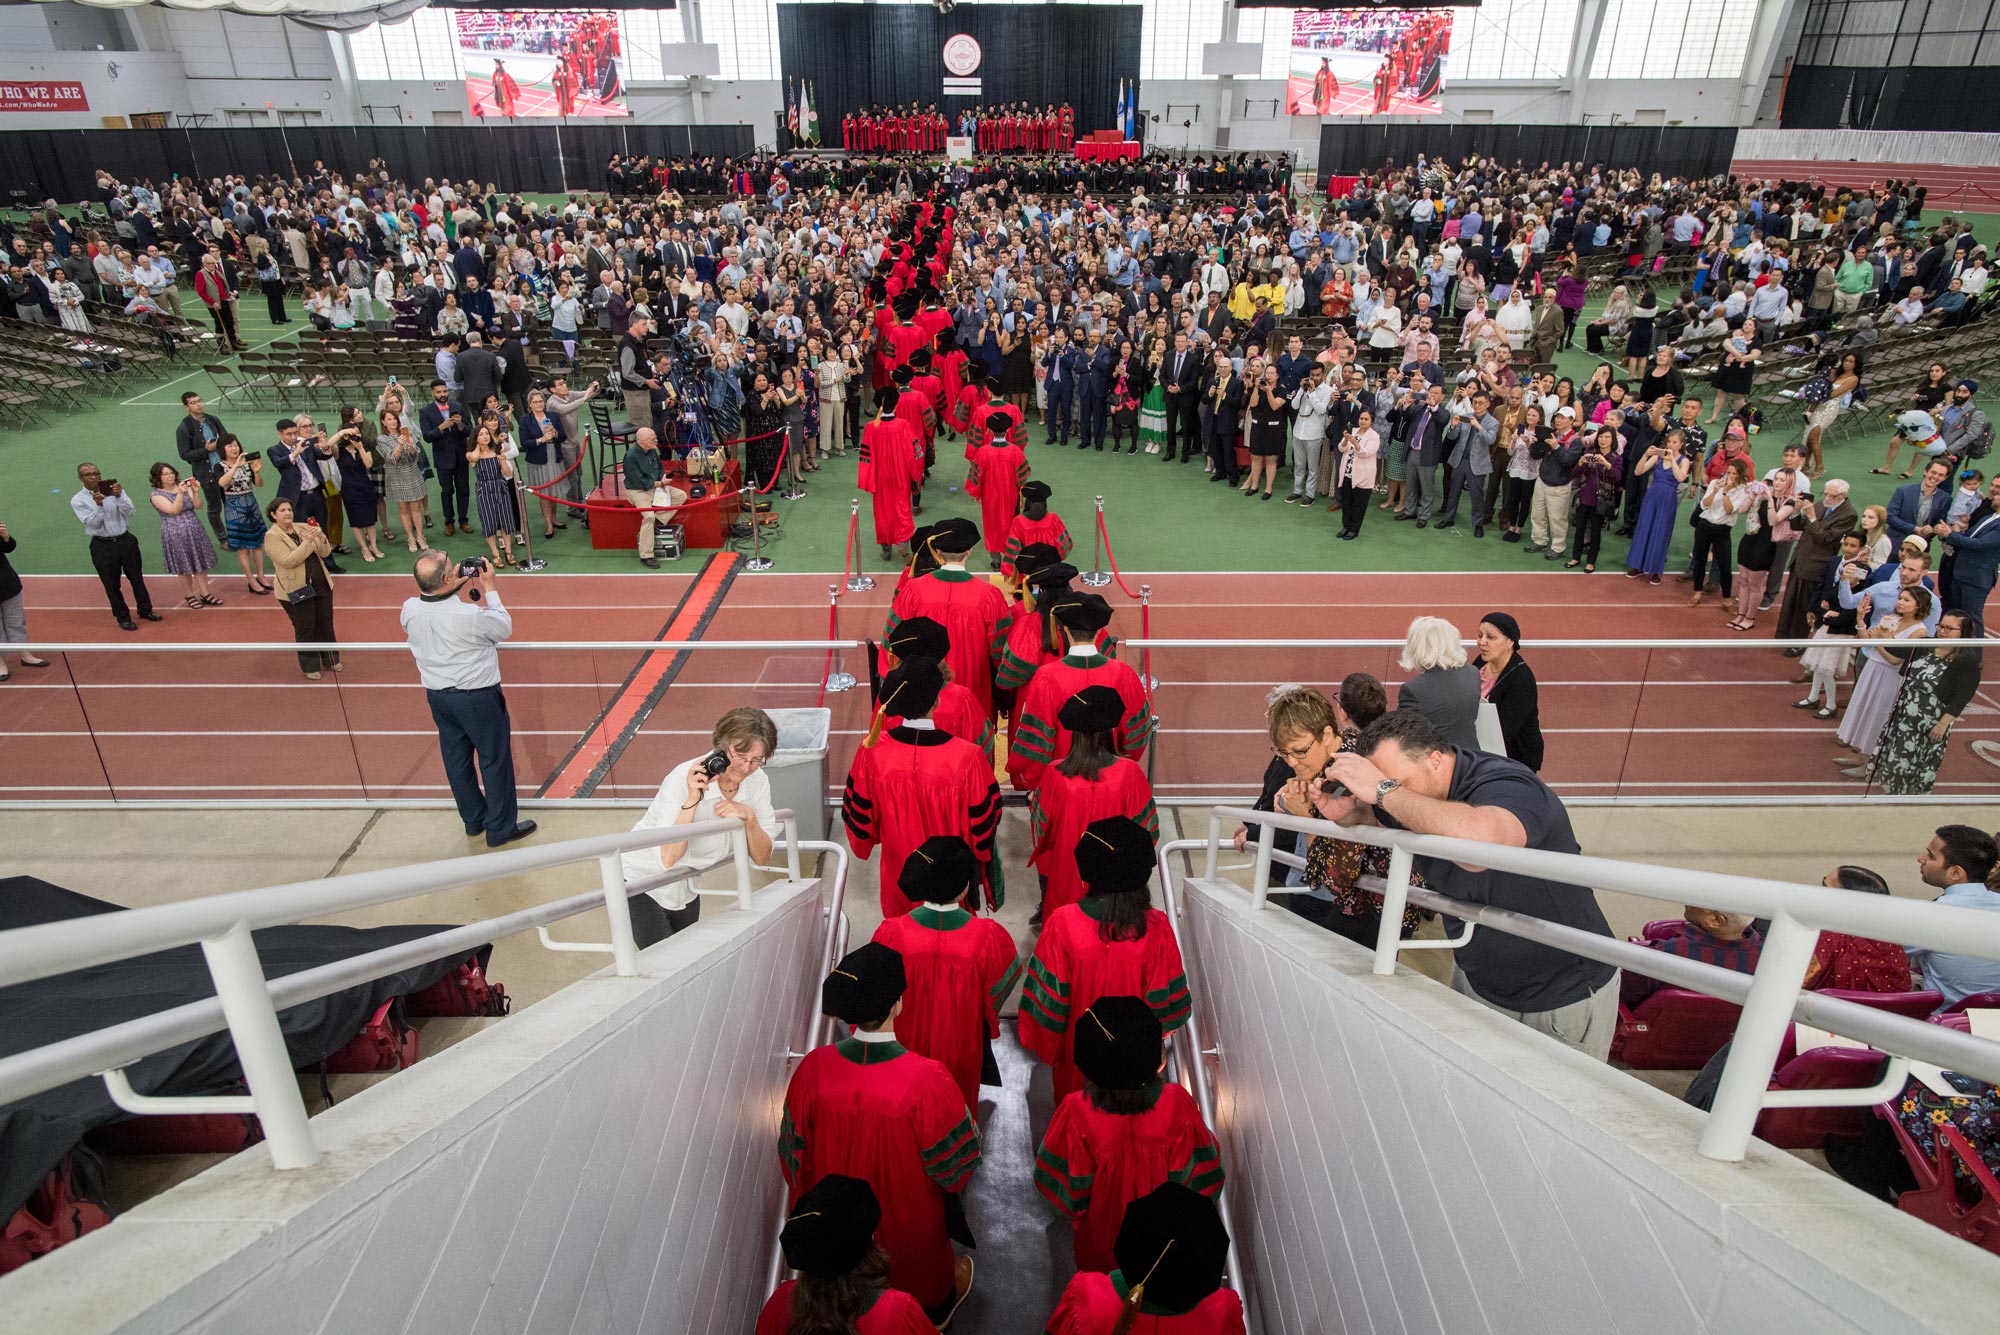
(1673, 1030)
(1969, 1211)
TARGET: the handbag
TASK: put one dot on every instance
(305, 593)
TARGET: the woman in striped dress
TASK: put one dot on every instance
(493, 495)
(542, 455)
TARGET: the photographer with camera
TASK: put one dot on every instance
(105, 512)
(454, 627)
(728, 783)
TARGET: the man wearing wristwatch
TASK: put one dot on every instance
(1403, 775)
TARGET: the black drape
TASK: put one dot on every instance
(860, 55)
(1912, 97)
(62, 164)
(1352, 147)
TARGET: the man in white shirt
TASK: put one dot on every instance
(727, 783)
(105, 512)
(455, 626)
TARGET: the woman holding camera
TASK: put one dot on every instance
(728, 783)
(184, 544)
(299, 553)
(243, 525)
(1668, 462)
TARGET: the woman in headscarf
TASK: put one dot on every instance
(1508, 684)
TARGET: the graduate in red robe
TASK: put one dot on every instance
(902, 335)
(891, 468)
(1112, 943)
(1067, 134)
(958, 710)
(998, 470)
(1172, 1250)
(969, 404)
(961, 968)
(1090, 783)
(972, 611)
(915, 780)
(1035, 639)
(928, 386)
(1039, 739)
(1035, 524)
(867, 1107)
(1127, 1131)
(950, 368)
(829, 1238)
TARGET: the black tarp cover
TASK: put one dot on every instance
(36, 1132)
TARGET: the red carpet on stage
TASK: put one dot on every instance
(1091, 151)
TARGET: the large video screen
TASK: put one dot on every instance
(1368, 62)
(540, 62)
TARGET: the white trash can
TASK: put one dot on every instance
(797, 769)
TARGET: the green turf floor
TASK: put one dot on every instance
(1161, 517)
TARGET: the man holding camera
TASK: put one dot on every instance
(105, 512)
(455, 625)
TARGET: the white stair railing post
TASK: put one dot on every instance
(739, 845)
(1395, 897)
(791, 828)
(1214, 850)
(1260, 875)
(1753, 1052)
(618, 909)
(260, 1046)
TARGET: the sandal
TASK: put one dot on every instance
(1879, 472)
(1590, 568)
(192, 602)
(210, 600)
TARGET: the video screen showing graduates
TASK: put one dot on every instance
(1368, 62)
(540, 62)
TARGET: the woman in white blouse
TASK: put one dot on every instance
(726, 783)
(1385, 328)
(1724, 499)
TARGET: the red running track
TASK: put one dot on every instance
(1976, 189)
(1633, 722)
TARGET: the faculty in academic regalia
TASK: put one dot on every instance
(1039, 738)
(999, 469)
(1127, 1131)
(915, 780)
(890, 469)
(1171, 1251)
(960, 968)
(1091, 782)
(958, 710)
(1036, 523)
(829, 1238)
(867, 1107)
(1112, 943)
(971, 609)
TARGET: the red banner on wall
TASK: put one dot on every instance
(58, 96)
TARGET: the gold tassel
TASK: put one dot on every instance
(881, 713)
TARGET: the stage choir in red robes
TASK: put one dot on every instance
(1011, 128)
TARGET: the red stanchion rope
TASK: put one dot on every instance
(832, 633)
(1110, 559)
(777, 471)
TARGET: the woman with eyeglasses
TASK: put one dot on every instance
(726, 783)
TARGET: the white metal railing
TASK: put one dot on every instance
(247, 1003)
(1771, 998)
(678, 646)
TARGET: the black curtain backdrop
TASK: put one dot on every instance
(62, 164)
(857, 55)
(1352, 148)
(1914, 97)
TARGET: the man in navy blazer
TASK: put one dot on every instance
(1916, 507)
(1976, 556)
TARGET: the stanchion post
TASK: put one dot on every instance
(1146, 655)
(856, 581)
(1097, 579)
(758, 561)
(837, 680)
(531, 564)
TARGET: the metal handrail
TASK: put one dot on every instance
(1771, 997)
(247, 1003)
(1194, 1060)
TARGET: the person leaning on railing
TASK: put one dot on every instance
(726, 783)
(1402, 774)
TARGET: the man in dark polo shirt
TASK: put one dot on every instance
(1402, 774)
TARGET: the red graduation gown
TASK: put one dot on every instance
(912, 784)
(892, 462)
(959, 713)
(997, 473)
(1093, 1302)
(1062, 807)
(1073, 966)
(1026, 653)
(961, 969)
(972, 611)
(1092, 1164)
(893, 1313)
(1038, 740)
(1024, 531)
(896, 1121)
(969, 405)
